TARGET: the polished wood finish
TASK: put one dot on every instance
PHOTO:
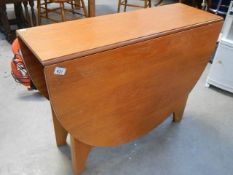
(79, 155)
(35, 69)
(97, 35)
(110, 86)
(60, 132)
(117, 88)
(179, 109)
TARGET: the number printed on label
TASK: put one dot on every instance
(60, 71)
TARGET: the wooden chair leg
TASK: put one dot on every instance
(145, 3)
(31, 3)
(20, 18)
(119, 6)
(150, 3)
(84, 8)
(91, 8)
(79, 155)
(125, 5)
(72, 3)
(28, 19)
(5, 22)
(39, 12)
(60, 132)
(46, 8)
(62, 11)
(179, 110)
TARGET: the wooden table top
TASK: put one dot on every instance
(72, 39)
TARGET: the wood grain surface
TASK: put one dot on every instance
(79, 155)
(70, 40)
(124, 74)
(60, 132)
(116, 96)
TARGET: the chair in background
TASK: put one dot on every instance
(147, 3)
(44, 10)
(22, 16)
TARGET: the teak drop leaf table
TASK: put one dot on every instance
(112, 79)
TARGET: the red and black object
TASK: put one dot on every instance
(18, 69)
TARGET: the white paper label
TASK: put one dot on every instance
(60, 71)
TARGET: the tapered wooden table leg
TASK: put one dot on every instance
(60, 132)
(79, 155)
(179, 110)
